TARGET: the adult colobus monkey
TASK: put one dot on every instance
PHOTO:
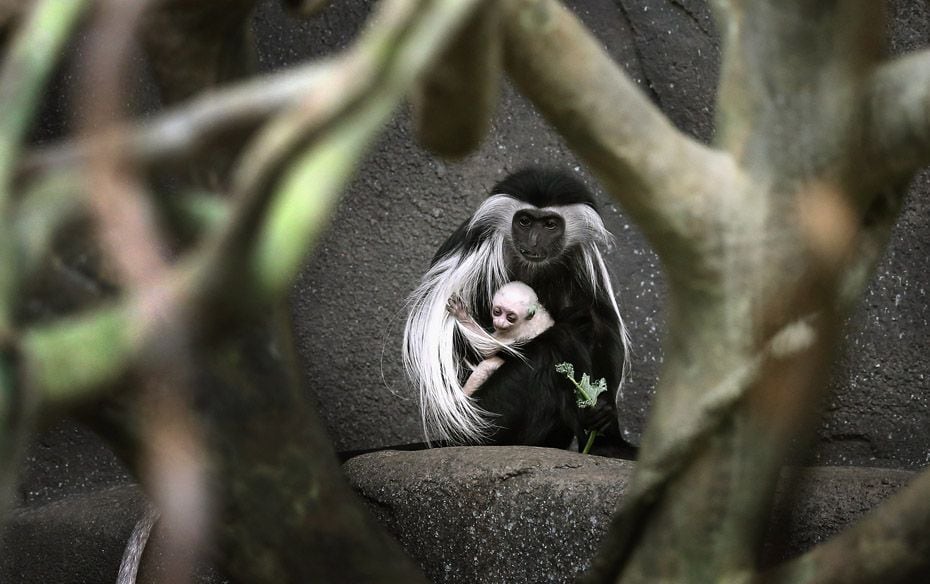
(539, 227)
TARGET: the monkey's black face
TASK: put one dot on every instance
(538, 236)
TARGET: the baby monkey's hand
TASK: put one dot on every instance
(456, 307)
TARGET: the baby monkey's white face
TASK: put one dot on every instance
(504, 317)
(510, 306)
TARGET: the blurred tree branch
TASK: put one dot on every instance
(28, 64)
(297, 172)
(454, 102)
(664, 179)
(11, 11)
(183, 134)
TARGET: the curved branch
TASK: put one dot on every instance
(327, 135)
(892, 544)
(898, 114)
(34, 52)
(656, 473)
(666, 180)
(118, 201)
(455, 100)
(195, 127)
(869, 247)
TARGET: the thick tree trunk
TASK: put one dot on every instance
(285, 512)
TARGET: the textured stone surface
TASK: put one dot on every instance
(478, 514)
(68, 459)
(493, 514)
(75, 539)
(818, 502)
(81, 538)
(518, 514)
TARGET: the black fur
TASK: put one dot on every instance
(544, 188)
(530, 401)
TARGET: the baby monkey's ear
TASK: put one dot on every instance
(531, 311)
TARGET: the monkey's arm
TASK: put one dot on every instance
(481, 374)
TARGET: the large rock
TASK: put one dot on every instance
(818, 502)
(521, 514)
(470, 514)
(493, 514)
(79, 538)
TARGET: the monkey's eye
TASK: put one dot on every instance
(523, 221)
(511, 318)
(496, 311)
(551, 224)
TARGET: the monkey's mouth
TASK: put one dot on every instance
(531, 256)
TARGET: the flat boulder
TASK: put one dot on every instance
(519, 514)
(493, 513)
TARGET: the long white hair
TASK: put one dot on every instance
(475, 271)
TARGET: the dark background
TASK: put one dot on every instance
(348, 304)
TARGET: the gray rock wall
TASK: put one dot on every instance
(349, 302)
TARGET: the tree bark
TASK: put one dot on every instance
(454, 102)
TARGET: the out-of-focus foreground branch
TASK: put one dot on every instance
(284, 513)
(27, 66)
(897, 129)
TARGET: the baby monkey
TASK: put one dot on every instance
(517, 317)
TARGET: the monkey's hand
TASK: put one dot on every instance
(456, 307)
(601, 417)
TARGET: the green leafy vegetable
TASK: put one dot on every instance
(585, 393)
